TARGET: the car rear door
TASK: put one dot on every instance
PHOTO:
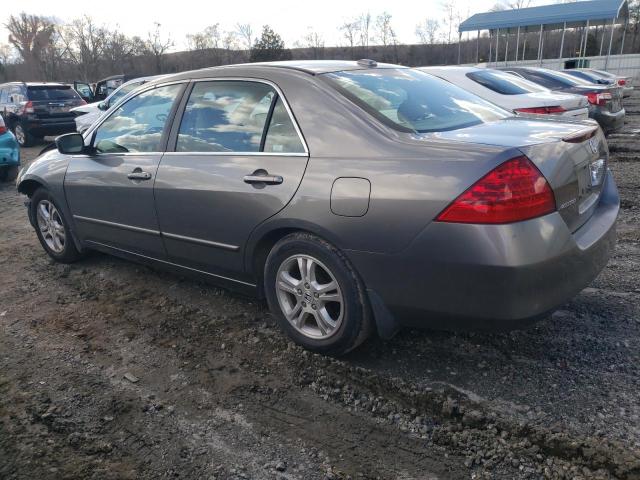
(110, 192)
(238, 159)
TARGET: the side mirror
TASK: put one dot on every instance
(103, 106)
(70, 144)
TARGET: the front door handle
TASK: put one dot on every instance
(138, 174)
(265, 179)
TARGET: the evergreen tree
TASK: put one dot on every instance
(269, 46)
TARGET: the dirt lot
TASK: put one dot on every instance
(110, 370)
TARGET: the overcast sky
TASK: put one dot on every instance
(289, 18)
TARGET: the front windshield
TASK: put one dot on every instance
(414, 101)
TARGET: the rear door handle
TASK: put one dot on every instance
(266, 179)
(139, 175)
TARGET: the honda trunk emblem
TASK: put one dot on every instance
(593, 144)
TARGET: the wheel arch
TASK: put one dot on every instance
(266, 236)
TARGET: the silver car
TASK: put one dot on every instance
(354, 196)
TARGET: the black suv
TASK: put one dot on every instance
(33, 110)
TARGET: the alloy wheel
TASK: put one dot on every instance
(309, 296)
(51, 226)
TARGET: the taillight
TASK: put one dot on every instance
(598, 98)
(512, 192)
(3, 129)
(28, 107)
(542, 110)
(622, 82)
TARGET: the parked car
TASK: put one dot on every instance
(624, 82)
(89, 113)
(586, 75)
(107, 86)
(513, 93)
(605, 102)
(33, 110)
(9, 154)
(352, 195)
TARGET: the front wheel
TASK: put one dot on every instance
(52, 228)
(316, 296)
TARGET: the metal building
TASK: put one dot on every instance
(576, 15)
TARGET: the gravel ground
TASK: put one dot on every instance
(111, 370)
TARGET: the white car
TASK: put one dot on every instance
(513, 93)
(89, 113)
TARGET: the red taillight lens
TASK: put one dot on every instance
(3, 129)
(28, 107)
(598, 98)
(622, 82)
(512, 192)
(542, 110)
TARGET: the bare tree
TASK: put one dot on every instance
(30, 35)
(314, 42)
(427, 31)
(364, 27)
(157, 45)
(84, 43)
(245, 35)
(452, 17)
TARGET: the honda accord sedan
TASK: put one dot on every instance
(354, 196)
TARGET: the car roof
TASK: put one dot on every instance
(311, 67)
(36, 84)
(450, 68)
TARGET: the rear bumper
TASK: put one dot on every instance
(490, 277)
(608, 121)
(41, 128)
(9, 150)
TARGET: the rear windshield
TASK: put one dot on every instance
(589, 77)
(413, 101)
(52, 93)
(563, 79)
(504, 83)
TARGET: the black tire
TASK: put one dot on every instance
(356, 321)
(24, 138)
(69, 253)
(10, 173)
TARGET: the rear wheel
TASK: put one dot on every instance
(9, 174)
(52, 228)
(315, 295)
(24, 138)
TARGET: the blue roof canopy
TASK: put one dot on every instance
(575, 14)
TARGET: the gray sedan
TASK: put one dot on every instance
(354, 196)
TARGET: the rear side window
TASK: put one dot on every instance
(282, 136)
(504, 83)
(413, 101)
(52, 93)
(138, 124)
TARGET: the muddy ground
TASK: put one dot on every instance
(111, 370)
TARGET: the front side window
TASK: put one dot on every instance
(504, 83)
(414, 101)
(138, 124)
(225, 116)
(122, 91)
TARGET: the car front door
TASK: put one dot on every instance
(238, 159)
(110, 191)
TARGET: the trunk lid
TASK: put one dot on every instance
(53, 101)
(572, 155)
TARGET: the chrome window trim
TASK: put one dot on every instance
(116, 225)
(171, 263)
(286, 106)
(199, 241)
(237, 154)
